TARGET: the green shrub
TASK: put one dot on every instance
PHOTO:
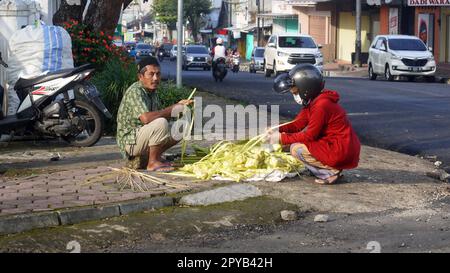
(169, 94)
(112, 82)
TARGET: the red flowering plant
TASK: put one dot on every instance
(93, 47)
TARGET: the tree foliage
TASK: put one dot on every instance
(193, 12)
(165, 11)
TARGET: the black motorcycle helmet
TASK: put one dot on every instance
(306, 77)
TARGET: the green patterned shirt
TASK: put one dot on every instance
(136, 101)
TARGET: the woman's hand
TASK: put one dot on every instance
(273, 137)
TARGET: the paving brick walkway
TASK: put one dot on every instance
(71, 188)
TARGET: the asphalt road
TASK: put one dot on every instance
(407, 117)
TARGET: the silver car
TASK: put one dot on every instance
(197, 56)
(257, 61)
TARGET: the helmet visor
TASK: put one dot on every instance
(282, 83)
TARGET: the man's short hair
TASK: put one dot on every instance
(147, 61)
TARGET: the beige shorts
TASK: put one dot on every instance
(152, 134)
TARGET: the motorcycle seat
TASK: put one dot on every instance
(24, 83)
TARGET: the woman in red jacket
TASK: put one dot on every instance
(321, 135)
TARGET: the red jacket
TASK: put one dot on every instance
(324, 128)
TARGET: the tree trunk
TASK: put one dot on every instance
(101, 15)
(68, 12)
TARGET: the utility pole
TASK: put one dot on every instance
(358, 34)
(230, 23)
(258, 34)
(263, 11)
(179, 43)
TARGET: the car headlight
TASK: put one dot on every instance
(395, 57)
(282, 54)
(319, 55)
(138, 54)
(190, 58)
(431, 58)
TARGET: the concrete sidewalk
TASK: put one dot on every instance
(38, 191)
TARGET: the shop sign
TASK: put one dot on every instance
(393, 21)
(429, 3)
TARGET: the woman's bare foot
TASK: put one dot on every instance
(330, 180)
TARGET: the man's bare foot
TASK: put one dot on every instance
(158, 166)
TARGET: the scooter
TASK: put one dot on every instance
(236, 63)
(58, 104)
(160, 55)
(220, 69)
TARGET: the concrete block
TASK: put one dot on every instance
(232, 193)
(74, 216)
(25, 222)
(145, 204)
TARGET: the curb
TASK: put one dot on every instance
(24, 222)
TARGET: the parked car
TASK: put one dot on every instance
(129, 46)
(118, 43)
(144, 50)
(400, 55)
(257, 61)
(285, 51)
(196, 56)
(173, 52)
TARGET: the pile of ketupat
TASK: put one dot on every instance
(240, 161)
(235, 161)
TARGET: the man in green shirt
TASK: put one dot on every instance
(142, 128)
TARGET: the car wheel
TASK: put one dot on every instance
(430, 78)
(275, 71)
(387, 74)
(372, 75)
(267, 72)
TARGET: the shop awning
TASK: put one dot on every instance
(305, 3)
(277, 16)
(384, 2)
(250, 27)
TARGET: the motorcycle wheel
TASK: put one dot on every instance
(92, 125)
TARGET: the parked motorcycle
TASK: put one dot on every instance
(236, 63)
(58, 104)
(220, 69)
(160, 55)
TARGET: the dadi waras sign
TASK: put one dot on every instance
(429, 3)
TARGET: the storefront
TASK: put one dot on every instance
(346, 34)
(431, 25)
(445, 35)
(318, 19)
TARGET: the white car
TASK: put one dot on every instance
(400, 55)
(173, 52)
(283, 52)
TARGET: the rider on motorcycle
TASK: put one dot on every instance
(219, 51)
